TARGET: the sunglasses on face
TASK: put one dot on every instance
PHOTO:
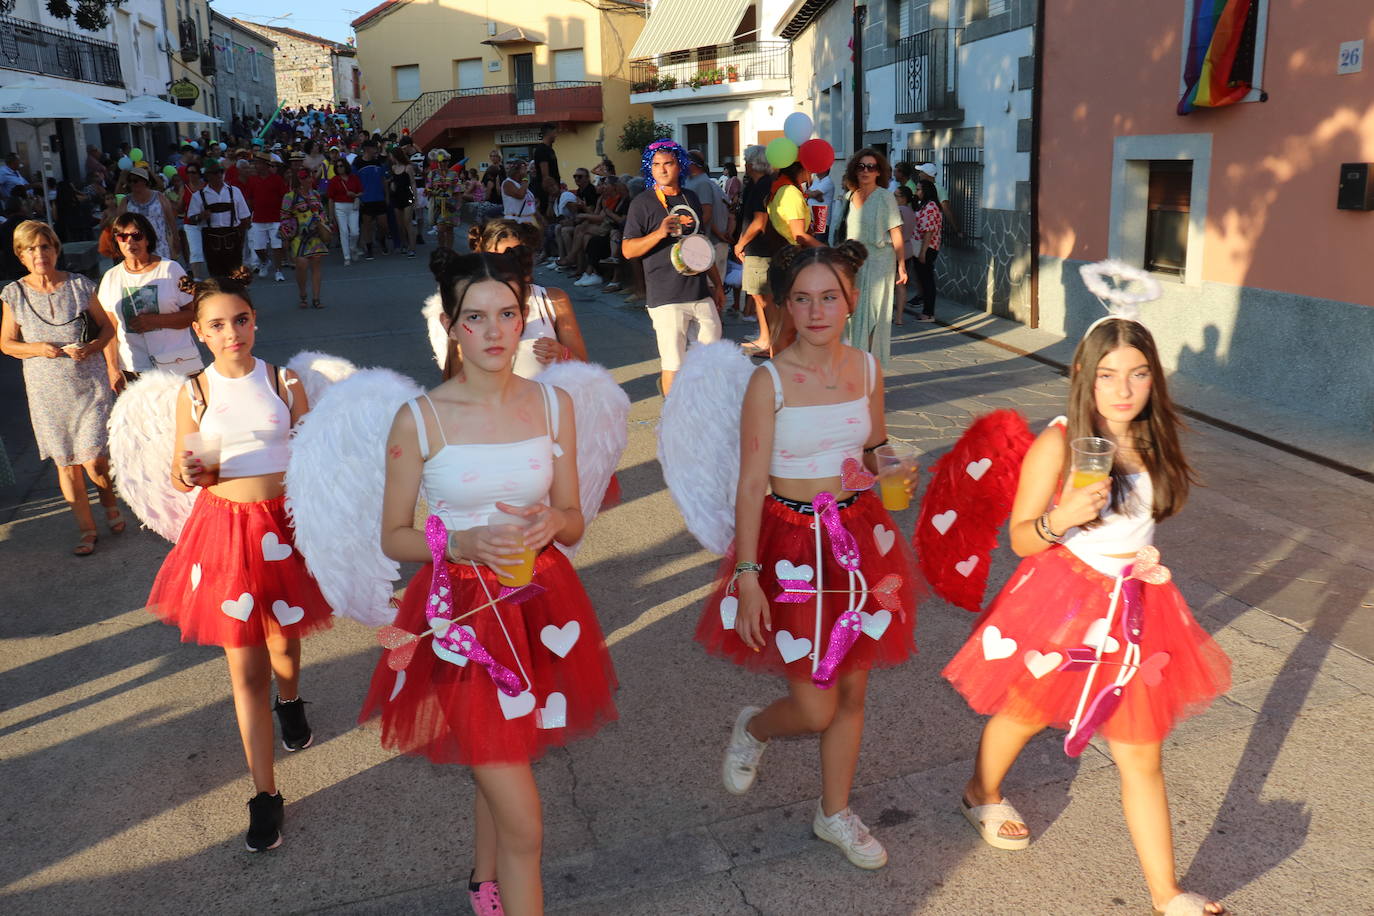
(129, 236)
(867, 166)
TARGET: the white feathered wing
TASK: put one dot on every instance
(698, 440)
(334, 487)
(318, 371)
(438, 337)
(602, 410)
(142, 436)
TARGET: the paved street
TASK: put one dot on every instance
(124, 781)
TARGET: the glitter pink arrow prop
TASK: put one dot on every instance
(797, 591)
(842, 638)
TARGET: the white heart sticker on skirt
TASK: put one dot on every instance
(195, 576)
(791, 647)
(1040, 665)
(996, 646)
(287, 614)
(239, 609)
(885, 538)
(785, 570)
(875, 625)
(944, 520)
(560, 640)
(965, 567)
(729, 607)
(400, 682)
(976, 469)
(514, 707)
(273, 549)
(1098, 638)
(554, 713)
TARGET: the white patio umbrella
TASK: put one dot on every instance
(32, 101)
(163, 112)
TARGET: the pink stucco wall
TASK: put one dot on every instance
(1111, 68)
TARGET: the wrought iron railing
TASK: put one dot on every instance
(36, 48)
(927, 76)
(511, 100)
(961, 174)
(712, 66)
(207, 57)
(190, 41)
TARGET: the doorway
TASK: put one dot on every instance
(524, 83)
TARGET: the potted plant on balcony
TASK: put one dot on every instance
(717, 77)
(667, 82)
(732, 73)
(696, 81)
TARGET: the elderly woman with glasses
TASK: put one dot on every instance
(53, 323)
(872, 217)
(151, 314)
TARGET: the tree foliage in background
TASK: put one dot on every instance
(91, 15)
(640, 132)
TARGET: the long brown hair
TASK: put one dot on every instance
(1154, 431)
(456, 273)
(851, 169)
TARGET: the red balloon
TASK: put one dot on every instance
(816, 155)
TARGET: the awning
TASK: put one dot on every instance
(680, 25)
(514, 36)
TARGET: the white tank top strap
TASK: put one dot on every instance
(1061, 421)
(543, 305)
(551, 416)
(870, 372)
(194, 386)
(777, 385)
(414, 405)
(286, 384)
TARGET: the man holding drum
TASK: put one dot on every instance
(665, 228)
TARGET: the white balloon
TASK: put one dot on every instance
(797, 127)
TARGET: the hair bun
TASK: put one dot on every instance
(853, 251)
(187, 284)
(241, 274)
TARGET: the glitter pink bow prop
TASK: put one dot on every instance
(842, 543)
(843, 635)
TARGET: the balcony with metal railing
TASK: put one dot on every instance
(927, 77)
(35, 48)
(702, 74)
(433, 114)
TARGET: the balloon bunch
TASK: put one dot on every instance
(796, 144)
(133, 160)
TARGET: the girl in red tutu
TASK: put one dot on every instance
(234, 578)
(1088, 633)
(502, 671)
(813, 545)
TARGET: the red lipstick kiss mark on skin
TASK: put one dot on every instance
(799, 378)
(394, 451)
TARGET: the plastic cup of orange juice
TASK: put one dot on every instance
(896, 471)
(519, 569)
(1091, 461)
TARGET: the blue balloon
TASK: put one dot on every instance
(125, 163)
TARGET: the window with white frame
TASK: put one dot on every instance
(1160, 186)
(1249, 61)
(467, 74)
(406, 82)
(253, 56)
(227, 57)
(569, 66)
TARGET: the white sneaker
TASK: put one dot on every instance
(588, 280)
(262, 271)
(846, 831)
(279, 278)
(742, 754)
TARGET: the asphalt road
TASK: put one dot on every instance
(124, 782)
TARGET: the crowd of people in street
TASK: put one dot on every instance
(825, 265)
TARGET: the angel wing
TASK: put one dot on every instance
(142, 436)
(603, 412)
(334, 486)
(438, 338)
(318, 371)
(969, 497)
(698, 440)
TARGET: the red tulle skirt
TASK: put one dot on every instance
(234, 578)
(454, 714)
(788, 535)
(1048, 606)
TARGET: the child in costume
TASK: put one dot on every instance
(441, 189)
(499, 673)
(1089, 633)
(813, 545)
(234, 578)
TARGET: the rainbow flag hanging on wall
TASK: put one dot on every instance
(1221, 54)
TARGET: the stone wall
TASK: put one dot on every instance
(305, 72)
(992, 274)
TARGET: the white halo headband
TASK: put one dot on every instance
(1109, 281)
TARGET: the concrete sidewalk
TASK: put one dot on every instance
(126, 782)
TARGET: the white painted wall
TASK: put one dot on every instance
(880, 85)
(753, 114)
(989, 96)
(820, 60)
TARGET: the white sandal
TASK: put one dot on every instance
(999, 814)
(1187, 904)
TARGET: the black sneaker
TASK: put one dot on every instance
(295, 731)
(264, 822)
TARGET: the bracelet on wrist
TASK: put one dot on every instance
(740, 570)
(873, 448)
(1045, 531)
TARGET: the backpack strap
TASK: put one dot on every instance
(196, 392)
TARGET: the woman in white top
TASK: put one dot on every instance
(151, 314)
(517, 200)
(515, 677)
(551, 331)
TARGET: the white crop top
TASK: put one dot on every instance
(810, 443)
(249, 416)
(462, 483)
(539, 322)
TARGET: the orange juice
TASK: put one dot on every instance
(892, 489)
(517, 571)
(1082, 479)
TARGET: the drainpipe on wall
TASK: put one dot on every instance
(860, 14)
(1037, 91)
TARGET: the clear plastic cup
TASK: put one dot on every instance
(896, 470)
(519, 570)
(205, 446)
(1091, 461)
